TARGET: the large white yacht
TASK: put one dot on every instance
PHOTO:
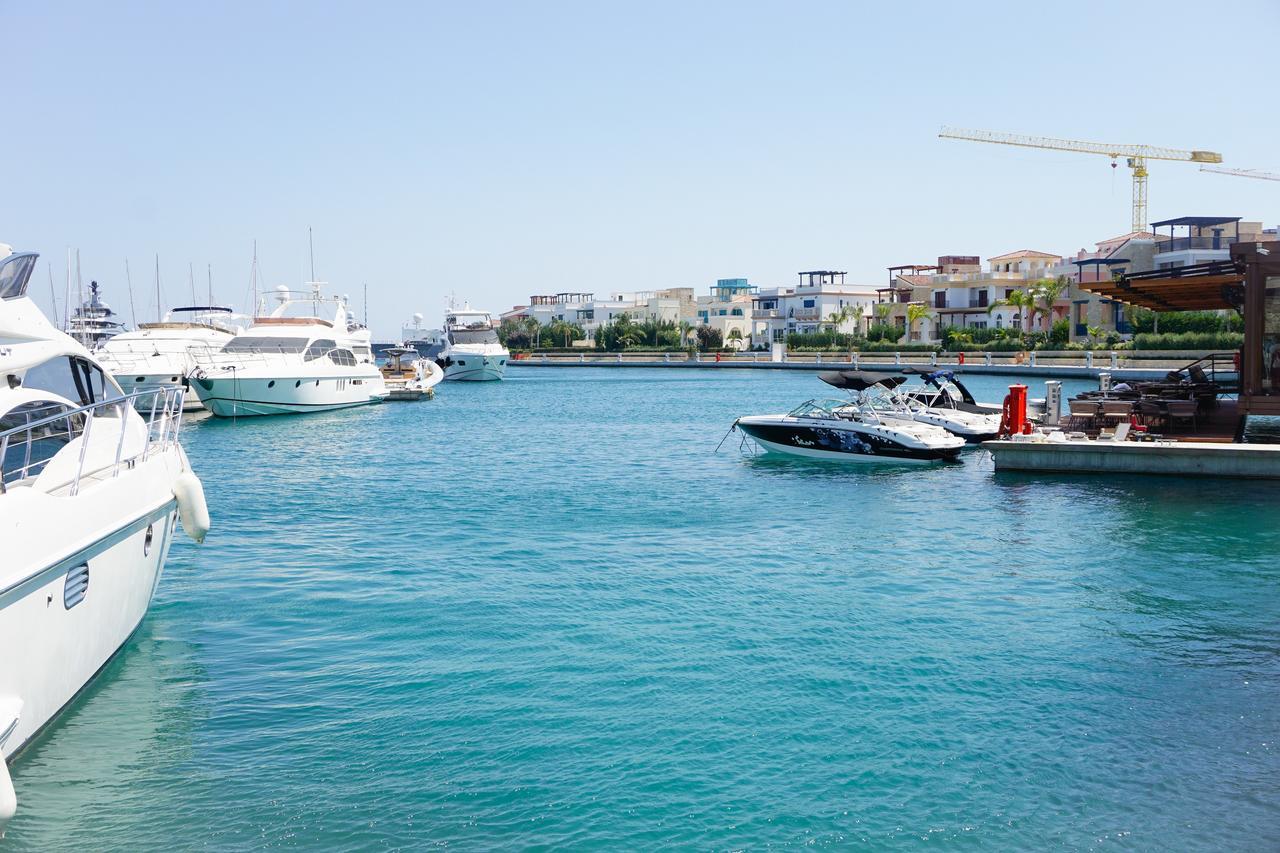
(292, 361)
(471, 349)
(92, 322)
(163, 353)
(90, 493)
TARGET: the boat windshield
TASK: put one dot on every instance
(15, 271)
(819, 409)
(473, 336)
(256, 343)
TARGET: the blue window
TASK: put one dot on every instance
(808, 303)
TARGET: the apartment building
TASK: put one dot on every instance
(809, 307)
(728, 308)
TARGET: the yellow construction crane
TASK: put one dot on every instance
(1243, 173)
(1136, 155)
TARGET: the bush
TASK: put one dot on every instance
(822, 341)
(1059, 334)
(883, 332)
(1189, 340)
(1183, 322)
(709, 338)
(893, 346)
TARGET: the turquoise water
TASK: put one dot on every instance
(543, 613)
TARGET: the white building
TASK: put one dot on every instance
(809, 307)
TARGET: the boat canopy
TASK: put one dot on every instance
(860, 380)
(938, 378)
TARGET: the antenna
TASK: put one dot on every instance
(210, 284)
(311, 247)
(133, 313)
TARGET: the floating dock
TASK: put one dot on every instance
(1180, 458)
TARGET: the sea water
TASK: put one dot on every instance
(545, 613)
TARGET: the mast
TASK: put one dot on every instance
(53, 294)
(253, 280)
(66, 303)
(191, 277)
(311, 247)
(159, 299)
(366, 304)
(133, 312)
(80, 297)
(210, 285)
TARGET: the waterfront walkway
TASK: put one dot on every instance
(1068, 366)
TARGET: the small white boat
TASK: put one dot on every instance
(90, 494)
(410, 379)
(284, 364)
(162, 354)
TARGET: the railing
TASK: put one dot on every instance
(1181, 244)
(162, 419)
(1220, 368)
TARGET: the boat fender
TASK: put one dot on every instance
(192, 508)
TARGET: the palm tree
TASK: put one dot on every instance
(915, 311)
(1023, 300)
(534, 328)
(1095, 332)
(735, 334)
(1047, 290)
(684, 327)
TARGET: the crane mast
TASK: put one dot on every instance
(1136, 157)
(1243, 173)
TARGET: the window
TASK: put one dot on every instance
(808, 303)
(14, 273)
(318, 349)
(343, 357)
(73, 378)
(28, 452)
(779, 335)
(737, 312)
(940, 299)
(254, 343)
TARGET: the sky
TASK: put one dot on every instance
(493, 150)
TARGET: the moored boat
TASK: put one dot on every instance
(90, 494)
(471, 350)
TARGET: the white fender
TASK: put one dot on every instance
(192, 508)
(430, 373)
(10, 713)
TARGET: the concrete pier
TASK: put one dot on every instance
(1184, 459)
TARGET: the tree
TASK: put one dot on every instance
(916, 311)
(684, 328)
(1047, 291)
(1095, 332)
(735, 336)
(709, 338)
(560, 330)
(1022, 300)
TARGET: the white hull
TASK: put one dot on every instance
(831, 456)
(475, 368)
(63, 648)
(232, 396)
(132, 383)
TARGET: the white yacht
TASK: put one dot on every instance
(471, 350)
(91, 324)
(163, 353)
(90, 491)
(292, 361)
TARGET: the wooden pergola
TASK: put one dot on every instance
(1202, 287)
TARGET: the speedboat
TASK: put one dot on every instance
(90, 493)
(163, 353)
(91, 323)
(292, 361)
(409, 379)
(867, 427)
(942, 389)
(471, 350)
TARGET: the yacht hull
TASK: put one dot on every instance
(133, 382)
(843, 445)
(475, 368)
(230, 396)
(121, 532)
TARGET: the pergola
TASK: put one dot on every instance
(1200, 287)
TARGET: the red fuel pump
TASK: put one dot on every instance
(1013, 418)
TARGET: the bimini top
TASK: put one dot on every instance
(860, 380)
(938, 378)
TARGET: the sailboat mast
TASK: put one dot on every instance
(66, 302)
(53, 294)
(133, 312)
(253, 280)
(210, 270)
(191, 278)
(159, 299)
(311, 247)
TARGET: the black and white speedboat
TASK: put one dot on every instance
(943, 401)
(868, 427)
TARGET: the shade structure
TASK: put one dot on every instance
(860, 380)
(1200, 287)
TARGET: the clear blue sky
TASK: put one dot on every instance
(501, 149)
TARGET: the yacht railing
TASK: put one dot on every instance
(160, 408)
(212, 359)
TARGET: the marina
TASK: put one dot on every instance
(957, 655)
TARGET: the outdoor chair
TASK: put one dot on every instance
(1182, 410)
(1117, 410)
(1151, 413)
(1085, 410)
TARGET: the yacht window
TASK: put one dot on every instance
(70, 377)
(473, 336)
(254, 343)
(343, 357)
(14, 274)
(318, 349)
(28, 451)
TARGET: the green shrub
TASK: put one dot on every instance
(822, 341)
(893, 346)
(883, 332)
(1183, 322)
(1189, 340)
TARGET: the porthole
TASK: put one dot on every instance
(298, 384)
(461, 363)
(76, 586)
(146, 542)
(271, 384)
(173, 379)
(141, 379)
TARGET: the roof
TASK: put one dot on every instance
(1024, 253)
(917, 280)
(1197, 221)
(1124, 238)
(1199, 287)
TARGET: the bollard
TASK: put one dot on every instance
(1052, 402)
(1104, 381)
(986, 359)
(582, 359)
(1088, 359)
(1031, 358)
(933, 359)
(755, 357)
(897, 358)
(817, 359)
(1115, 360)
(666, 356)
(853, 359)
(697, 357)
(960, 360)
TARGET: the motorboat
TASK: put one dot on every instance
(940, 388)
(90, 493)
(867, 427)
(163, 353)
(93, 321)
(408, 376)
(471, 350)
(292, 361)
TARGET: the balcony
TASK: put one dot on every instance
(1182, 244)
(766, 314)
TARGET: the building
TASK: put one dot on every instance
(1196, 240)
(822, 300)
(728, 309)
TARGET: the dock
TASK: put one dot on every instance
(1179, 458)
